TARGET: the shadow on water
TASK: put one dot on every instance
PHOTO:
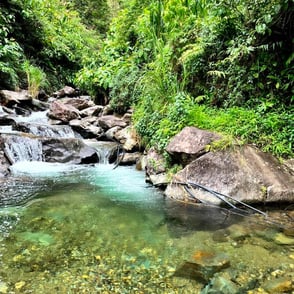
(183, 218)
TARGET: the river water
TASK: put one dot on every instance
(95, 229)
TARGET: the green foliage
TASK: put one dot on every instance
(36, 78)
(225, 66)
(10, 51)
(47, 33)
(95, 14)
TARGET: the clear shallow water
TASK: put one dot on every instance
(99, 230)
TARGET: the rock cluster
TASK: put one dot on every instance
(72, 118)
(244, 173)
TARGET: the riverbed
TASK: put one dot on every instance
(95, 229)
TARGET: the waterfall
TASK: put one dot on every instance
(18, 148)
(107, 151)
(37, 129)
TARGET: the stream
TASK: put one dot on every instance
(94, 229)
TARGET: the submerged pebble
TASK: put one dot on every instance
(283, 239)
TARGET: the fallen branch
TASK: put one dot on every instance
(220, 196)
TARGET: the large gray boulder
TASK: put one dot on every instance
(68, 150)
(128, 138)
(95, 110)
(66, 91)
(9, 98)
(78, 103)
(246, 174)
(87, 127)
(62, 112)
(109, 121)
(189, 144)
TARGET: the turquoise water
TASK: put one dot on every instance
(98, 230)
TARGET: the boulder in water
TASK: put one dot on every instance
(86, 128)
(246, 174)
(128, 138)
(68, 150)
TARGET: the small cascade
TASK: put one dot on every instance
(107, 151)
(58, 131)
(18, 148)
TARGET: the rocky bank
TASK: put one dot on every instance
(241, 172)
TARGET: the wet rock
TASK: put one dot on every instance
(62, 112)
(8, 110)
(86, 128)
(129, 158)
(78, 103)
(22, 148)
(279, 285)
(189, 144)
(220, 285)
(155, 162)
(238, 232)
(159, 180)
(110, 134)
(128, 138)
(245, 174)
(221, 235)
(60, 131)
(203, 266)
(4, 163)
(6, 120)
(109, 121)
(95, 110)
(68, 151)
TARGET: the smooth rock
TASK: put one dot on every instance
(68, 150)
(159, 180)
(203, 265)
(95, 110)
(246, 174)
(65, 91)
(109, 121)
(189, 144)
(60, 111)
(220, 285)
(129, 158)
(86, 128)
(279, 285)
(155, 162)
(129, 138)
(78, 103)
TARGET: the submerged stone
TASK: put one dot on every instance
(220, 285)
(3, 287)
(38, 237)
(279, 285)
(282, 239)
(203, 266)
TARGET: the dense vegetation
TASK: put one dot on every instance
(219, 65)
